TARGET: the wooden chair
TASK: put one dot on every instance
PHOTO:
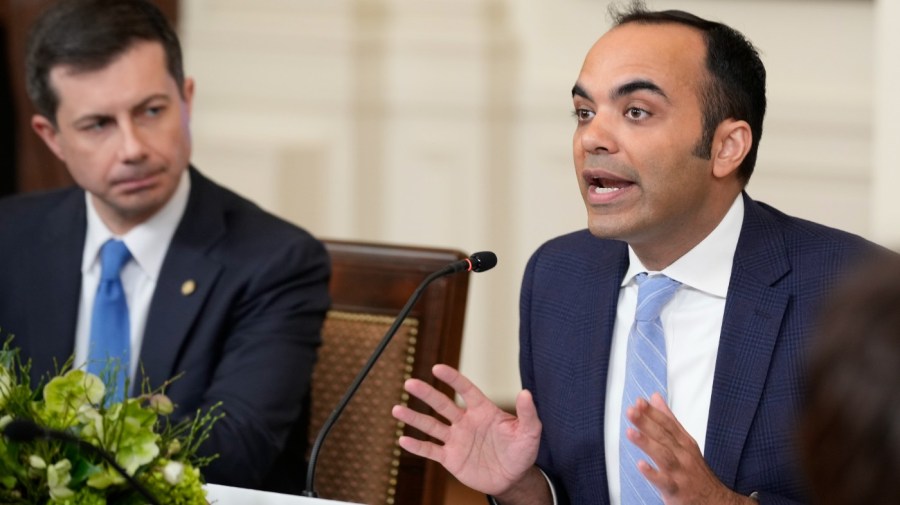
(360, 460)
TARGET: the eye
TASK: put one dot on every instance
(583, 115)
(96, 125)
(154, 111)
(636, 113)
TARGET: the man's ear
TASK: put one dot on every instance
(731, 144)
(188, 94)
(47, 131)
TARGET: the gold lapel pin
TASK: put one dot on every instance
(188, 287)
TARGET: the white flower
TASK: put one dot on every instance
(37, 462)
(58, 478)
(173, 472)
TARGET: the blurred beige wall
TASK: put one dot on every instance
(448, 123)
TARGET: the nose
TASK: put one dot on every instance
(133, 147)
(596, 137)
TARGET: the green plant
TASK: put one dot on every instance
(137, 432)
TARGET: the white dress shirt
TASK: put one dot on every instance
(692, 324)
(148, 243)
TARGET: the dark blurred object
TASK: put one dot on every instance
(850, 431)
(7, 113)
(25, 162)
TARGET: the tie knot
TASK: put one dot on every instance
(653, 293)
(113, 256)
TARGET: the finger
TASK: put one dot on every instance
(651, 423)
(660, 480)
(660, 472)
(435, 399)
(651, 448)
(657, 402)
(421, 448)
(424, 423)
(461, 384)
(649, 437)
(662, 415)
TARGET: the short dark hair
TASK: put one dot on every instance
(737, 85)
(850, 428)
(88, 35)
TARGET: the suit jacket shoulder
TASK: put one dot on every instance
(26, 217)
(42, 237)
(784, 267)
(238, 309)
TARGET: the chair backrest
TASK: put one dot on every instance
(360, 460)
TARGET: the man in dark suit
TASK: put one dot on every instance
(216, 288)
(669, 111)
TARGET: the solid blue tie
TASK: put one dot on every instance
(110, 347)
(645, 374)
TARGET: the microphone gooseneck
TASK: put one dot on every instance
(22, 430)
(478, 262)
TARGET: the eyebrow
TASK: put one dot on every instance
(623, 90)
(635, 86)
(577, 90)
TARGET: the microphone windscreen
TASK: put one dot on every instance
(20, 430)
(483, 261)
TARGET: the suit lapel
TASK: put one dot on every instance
(591, 357)
(609, 298)
(753, 313)
(185, 282)
(51, 302)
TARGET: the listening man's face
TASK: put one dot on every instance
(123, 132)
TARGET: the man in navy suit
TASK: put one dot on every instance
(217, 289)
(669, 111)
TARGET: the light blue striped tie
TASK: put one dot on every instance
(645, 374)
(110, 347)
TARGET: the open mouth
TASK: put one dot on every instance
(601, 185)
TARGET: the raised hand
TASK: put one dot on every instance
(682, 475)
(484, 447)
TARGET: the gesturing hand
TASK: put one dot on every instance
(682, 475)
(483, 447)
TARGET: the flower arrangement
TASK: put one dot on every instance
(157, 453)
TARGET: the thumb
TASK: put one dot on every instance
(527, 413)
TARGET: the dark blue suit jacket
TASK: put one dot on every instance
(783, 267)
(247, 336)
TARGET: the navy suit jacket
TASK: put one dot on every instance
(783, 267)
(246, 336)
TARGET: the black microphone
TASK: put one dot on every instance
(478, 262)
(22, 430)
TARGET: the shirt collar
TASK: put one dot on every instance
(148, 241)
(706, 267)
